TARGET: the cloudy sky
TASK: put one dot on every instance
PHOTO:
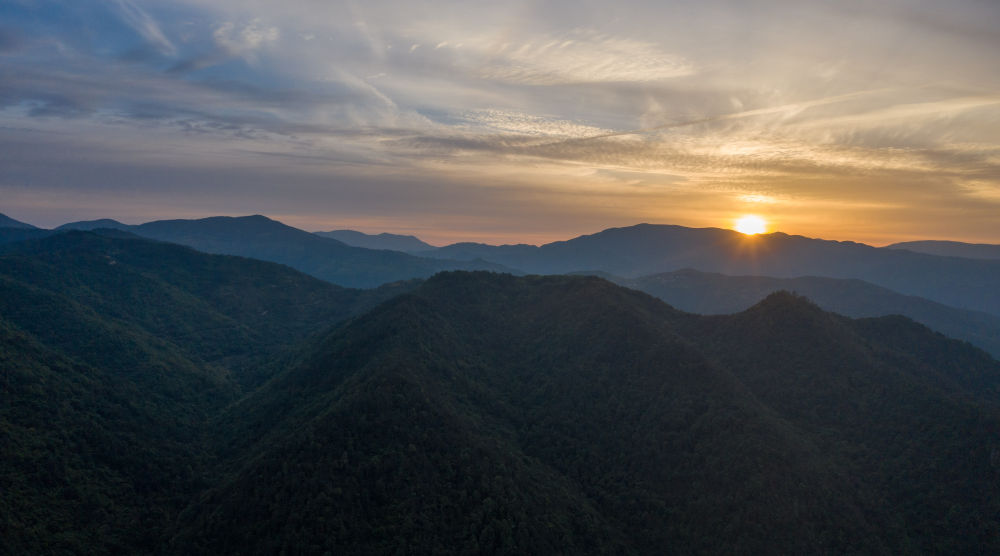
(507, 121)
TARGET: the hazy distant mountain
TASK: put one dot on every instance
(649, 249)
(8, 222)
(710, 293)
(95, 224)
(393, 242)
(491, 414)
(262, 238)
(951, 249)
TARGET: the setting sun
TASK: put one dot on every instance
(751, 224)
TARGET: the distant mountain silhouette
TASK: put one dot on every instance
(394, 242)
(262, 238)
(491, 414)
(95, 224)
(711, 293)
(951, 249)
(8, 222)
(649, 249)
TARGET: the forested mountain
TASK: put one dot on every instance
(711, 293)
(155, 399)
(114, 352)
(9, 235)
(487, 413)
(649, 249)
(8, 222)
(262, 238)
(394, 242)
(951, 249)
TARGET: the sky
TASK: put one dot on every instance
(507, 122)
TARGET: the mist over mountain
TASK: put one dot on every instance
(394, 242)
(712, 293)
(649, 249)
(951, 249)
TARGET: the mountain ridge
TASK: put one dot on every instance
(263, 238)
(392, 242)
(950, 248)
(90, 225)
(648, 249)
(714, 293)
(573, 381)
(8, 222)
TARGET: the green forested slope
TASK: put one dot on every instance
(154, 399)
(612, 422)
(115, 352)
(711, 293)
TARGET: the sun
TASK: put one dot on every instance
(750, 224)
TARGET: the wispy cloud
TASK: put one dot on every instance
(577, 57)
(654, 110)
(245, 40)
(145, 25)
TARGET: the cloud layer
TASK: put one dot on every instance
(514, 121)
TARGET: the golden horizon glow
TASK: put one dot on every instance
(750, 224)
(388, 117)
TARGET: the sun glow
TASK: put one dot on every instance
(750, 224)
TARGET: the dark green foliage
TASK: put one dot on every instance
(95, 460)
(216, 309)
(154, 399)
(642, 429)
(114, 353)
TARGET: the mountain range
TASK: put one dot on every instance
(262, 238)
(394, 242)
(951, 249)
(644, 249)
(115, 351)
(712, 293)
(157, 399)
(649, 249)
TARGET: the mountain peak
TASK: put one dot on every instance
(8, 222)
(394, 242)
(94, 224)
(784, 300)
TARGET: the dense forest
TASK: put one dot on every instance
(164, 401)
